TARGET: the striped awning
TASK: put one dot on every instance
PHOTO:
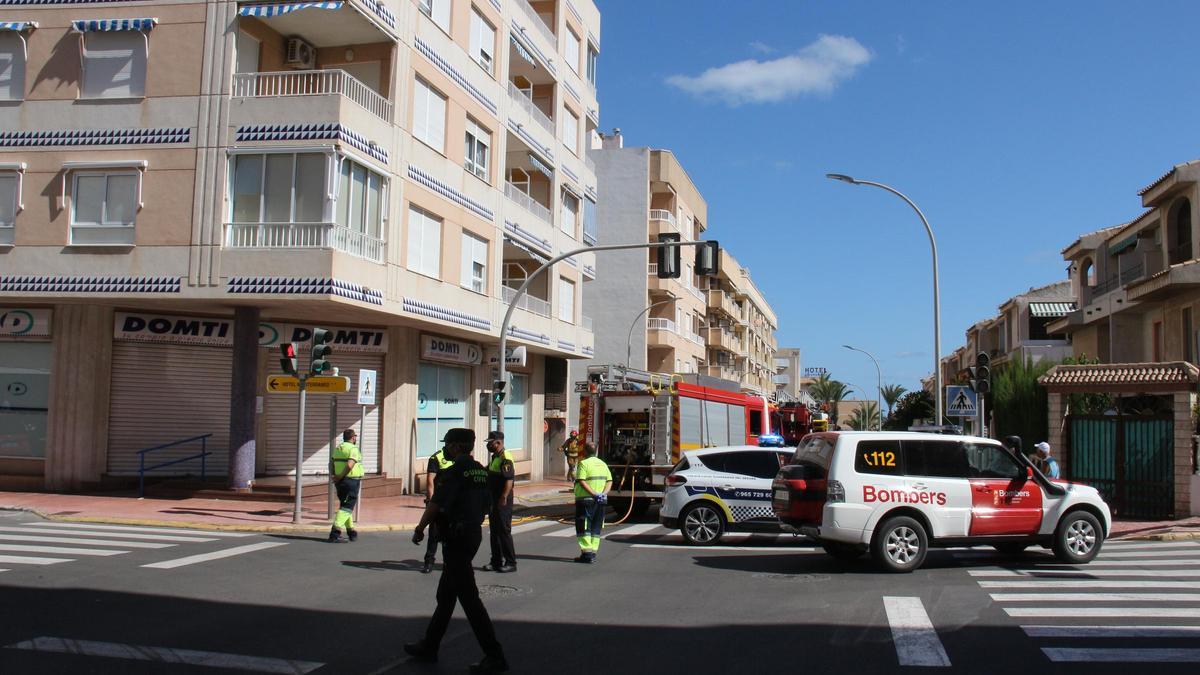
(18, 26)
(533, 252)
(540, 166)
(264, 11)
(1122, 245)
(108, 25)
(521, 51)
(575, 191)
(1046, 310)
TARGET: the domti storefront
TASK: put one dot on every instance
(25, 367)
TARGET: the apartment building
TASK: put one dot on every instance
(186, 185)
(788, 373)
(740, 332)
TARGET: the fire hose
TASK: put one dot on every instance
(632, 498)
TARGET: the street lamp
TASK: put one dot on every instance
(629, 339)
(937, 312)
(878, 382)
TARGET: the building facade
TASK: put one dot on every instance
(740, 332)
(186, 185)
(788, 373)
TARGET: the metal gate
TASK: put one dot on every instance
(1130, 460)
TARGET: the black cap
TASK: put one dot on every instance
(465, 436)
(495, 435)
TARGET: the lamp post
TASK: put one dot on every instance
(937, 312)
(629, 339)
(878, 383)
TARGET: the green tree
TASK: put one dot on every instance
(1087, 404)
(891, 393)
(915, 405)
(865, 417)
(1019, 402)
(829, 392)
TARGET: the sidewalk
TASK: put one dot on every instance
(1163, 530)
(378, 514)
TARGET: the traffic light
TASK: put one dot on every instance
(708, 259)
(980, 375)
(669, 264)
(287, 351)
(498, 391)
(320, 351)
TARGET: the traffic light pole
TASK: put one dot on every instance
(512, 305)
(303, 377)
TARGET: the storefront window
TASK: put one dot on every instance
(441, 405)
(24, 398)
(515, 414)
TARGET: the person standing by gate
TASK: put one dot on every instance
(437, 464)
(1049, 464)
(593, 480)
(458, 507)
(347, 480)
(501, 475)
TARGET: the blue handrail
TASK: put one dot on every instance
(201, 456)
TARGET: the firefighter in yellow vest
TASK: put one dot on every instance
(347, 479)
(571, 449)
(437, 464)
(593, 480)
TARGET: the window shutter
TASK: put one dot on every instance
(12, 67)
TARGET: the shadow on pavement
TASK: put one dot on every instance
(386, 565)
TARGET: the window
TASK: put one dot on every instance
(1156, 336)
(935, 459)
(753, 463)
(114, 64)
(12, 66)
(1189, 344)
(279, 188)
(360, 198)
(438, 10)
(990, 461)
(248, 49)
(879, 457)
(571, 51)
(103, 207)
(483, 41)
(592, 57)
(566, 300)
(589, 220)
(9, 187)
(570, 212)
(429, 116)
(441, 404)
(474, 263)
(478, 149)
(23, 418)
(424, 242)
(570, 131)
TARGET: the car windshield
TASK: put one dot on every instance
(815, 451)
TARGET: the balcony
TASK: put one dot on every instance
(723, 372)
(719, 338)
(523, 200)
(537, 25)
(311, 83)
(652, 270)
(525, 103)
(720, 300)
(660, 324)
(304, 236)
(663, 215)
(528, 302)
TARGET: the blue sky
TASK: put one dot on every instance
(1015, 127)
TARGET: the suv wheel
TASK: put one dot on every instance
(900, 544)
(843, 551)
(1078, 538)
(701, 524)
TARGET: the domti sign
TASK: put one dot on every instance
(450, 351)
(218, 332)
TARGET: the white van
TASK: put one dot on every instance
(898, 494)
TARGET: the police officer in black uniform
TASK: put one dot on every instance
(458, 506)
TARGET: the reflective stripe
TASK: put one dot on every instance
(498, 460)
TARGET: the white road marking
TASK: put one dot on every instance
(1096, 597)
(116, 650)
(534, 525)
(640, 528)
(1112, 631)
(81, 542)
(1123, 545)
(568, 532)
(1120, 563)
(1105, 555)
(215, 555)
(1081, 574)
(139, 528)
(1111, 612)
(917, 643)
(31, 560)
(61, 550)
(1088, 583)
(118, 535)
(718, 548)
(1110, 655)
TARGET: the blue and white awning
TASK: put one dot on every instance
(18, 26)
(264, 11)
(522, 52)
(107, 25)
(540, 166)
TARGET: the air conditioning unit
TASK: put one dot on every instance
(300, 54)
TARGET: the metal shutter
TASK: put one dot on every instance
(282, 410)
(163, 393)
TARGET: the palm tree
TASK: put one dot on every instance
(891, 393)
(865, 417)
(829, 392)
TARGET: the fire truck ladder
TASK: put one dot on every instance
(660, 429)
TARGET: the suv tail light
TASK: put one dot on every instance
(835, 492)
(675, 479)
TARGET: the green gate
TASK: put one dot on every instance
(1130, 460)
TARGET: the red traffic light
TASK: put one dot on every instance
(288, 349)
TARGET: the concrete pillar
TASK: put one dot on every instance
(1056, 434)
(399, 401)
(242, 389)
(1183, 452)
(80, 384)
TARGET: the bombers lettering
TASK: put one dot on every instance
(873, 494)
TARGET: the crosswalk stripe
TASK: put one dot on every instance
(568, 532)
(30, 560)
(917, 642)
(1082, 574)
(1121, 655)
(534, 525)
(1090, 583)
(81, 542)
(639, 528)
(1104, 555)
(61, 550)
(1098, 612)
(1112, 631)
(1096, 597)
(115, 535)
(215, 555)
(116, 650)
(1124, 545)
(1114, 563)
(718, 548)
(139, 528)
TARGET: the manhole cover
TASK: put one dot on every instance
(798, 578)
(499, 591)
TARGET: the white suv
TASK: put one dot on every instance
(898, 494)
(716, 490)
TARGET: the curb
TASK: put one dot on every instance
(1161, 536)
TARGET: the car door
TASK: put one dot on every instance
(1004, 499)
(939, 468)
(748, 490)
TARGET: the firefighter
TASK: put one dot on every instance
(437, 464)
(501, 475)
(347, 479)
(570, 449)
(593, 480)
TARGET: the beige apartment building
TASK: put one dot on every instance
(788, 363)
(184, 186)
(740, 331)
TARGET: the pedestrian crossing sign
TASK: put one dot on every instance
(961, 401)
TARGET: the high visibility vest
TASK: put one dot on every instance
(443, 463)
(498, 460)
(595, 472)
(343, 452)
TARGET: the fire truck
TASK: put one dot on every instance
(640, 422)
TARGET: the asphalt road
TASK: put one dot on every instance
(143, 600)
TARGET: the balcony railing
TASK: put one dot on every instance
(586, 322)
(527, 302)
(517, 195)
(537, 24)
(522, 99)
(660, 324)
(662, 214)
(311, 83)
(304, 235)
(1180, 253)
(693, 338)
(1105, 286)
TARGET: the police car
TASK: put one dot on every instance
(898, 494)
(717, 490)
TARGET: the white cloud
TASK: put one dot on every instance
(762, 47)
(816, 69)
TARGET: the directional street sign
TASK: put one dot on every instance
(286, 384)
(961, 401)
